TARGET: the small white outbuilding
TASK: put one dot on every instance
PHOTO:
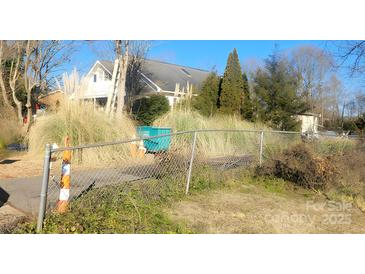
(309, 122)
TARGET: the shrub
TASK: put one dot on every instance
(147, 109)
(301, 166)
(349, 125)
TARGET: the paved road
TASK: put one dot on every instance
(24, 193)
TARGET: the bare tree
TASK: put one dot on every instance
(333, 95)
(134, 85)
(31, 73)
(360, 102)
(33, 62)
(313, 65)
(3, 59)
(52, 55)
(351, 108)
(126, 84)
(11, 52)
(41, 60)
(351, 55)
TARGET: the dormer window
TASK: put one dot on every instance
(185, 72)
(94, 78)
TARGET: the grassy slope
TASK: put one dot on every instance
(237, 202)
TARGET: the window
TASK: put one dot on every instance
(107, 76)
(94, 78)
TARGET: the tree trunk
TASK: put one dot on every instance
(29, 110)
(2, 83)
(121, 87)
(18, 106)
(16, 101)
(3, 90)
(13, 77)
(27, 84)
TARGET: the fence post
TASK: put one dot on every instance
(43, 197)
(261, 146)
(191, 163)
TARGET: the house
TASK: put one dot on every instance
(309, 122)
(156, 77)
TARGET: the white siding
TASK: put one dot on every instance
(101, 87)
(309, 123)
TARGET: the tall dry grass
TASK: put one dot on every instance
(215, 143)
(84, 123)
(10, 128)
(181, 120)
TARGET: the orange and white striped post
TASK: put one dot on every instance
(65, 184)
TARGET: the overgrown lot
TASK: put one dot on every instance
(238, 200)
(300, 181)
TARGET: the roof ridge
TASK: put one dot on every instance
(183, 66)
(162, 62)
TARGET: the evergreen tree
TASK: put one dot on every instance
(206, 101)
(246, 101)
(232, 86)
(276, 94)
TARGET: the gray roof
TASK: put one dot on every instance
(166, 75)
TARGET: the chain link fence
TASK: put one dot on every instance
(107, 171)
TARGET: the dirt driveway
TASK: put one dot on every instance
(19, 165)
(257, 211)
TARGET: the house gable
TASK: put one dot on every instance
(99, 80)
(100, 71)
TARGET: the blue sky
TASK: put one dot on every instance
(205, 54)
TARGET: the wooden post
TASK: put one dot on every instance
(261, 146)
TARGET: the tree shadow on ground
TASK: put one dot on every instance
(8, 161)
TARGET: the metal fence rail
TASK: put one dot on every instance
(101, 171)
